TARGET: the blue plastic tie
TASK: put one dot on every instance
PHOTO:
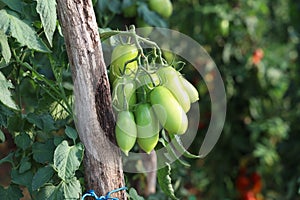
(91, 193)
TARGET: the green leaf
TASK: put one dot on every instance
(25, 35)
(44, 122)
(71, 133)
(134, 195)
(2, 136)
(8, 159)
(177, 143)
(5, 50)
(16, 5)
(72, 189)
(47, 12)
(150, 17)
(115, 6)
(25, 165)
(67, 159)
(24, 179)
(13, 192)
(42, 176)
(43, 152)
(5, 95)
(164, 180)
(50, 192)
(23, 140)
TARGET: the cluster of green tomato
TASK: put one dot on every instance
(147, 100)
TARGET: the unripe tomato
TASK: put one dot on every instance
(124, 93)
(120, 55)
(170, 79)
(126, 131)
(190, 89)
(147, 127)
(168, 111)
(162, 7)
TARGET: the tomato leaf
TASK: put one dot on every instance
(67, 159)
(5, 95)
(47, 12)
(5, 50)
(42, 176)
(50, 192)
(164, 180)
(8, 159)
(16, 5)
(43, 152)
(72, 189)
(24, 179)
(177, 143)
(134, 195)
(10, 23)
(23, 140)
(13, 192)
(71, 133)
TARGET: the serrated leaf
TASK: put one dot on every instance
(67, 159)
(72, 189)
(42, 176)
(11, 193)
(16, 5)
(43, 152)
(47, 12)
(164, 180)
(24, 179)
(134, 195)
(71, 133)
(5, 95)
(150, 17)
(5, 50)
(2, 136)
(25, 35)
(50, 192)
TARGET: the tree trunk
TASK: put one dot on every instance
(94, 117)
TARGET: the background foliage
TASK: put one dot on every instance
(255, 45)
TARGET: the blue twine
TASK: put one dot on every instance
(91, 193)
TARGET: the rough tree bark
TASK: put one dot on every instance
(94, 117)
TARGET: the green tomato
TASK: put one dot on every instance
(170, 79)
(120, 55)
(163, 7)
(168, 111)
(147, 127)
(126, 131)
(190, 89)
(124, 93)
